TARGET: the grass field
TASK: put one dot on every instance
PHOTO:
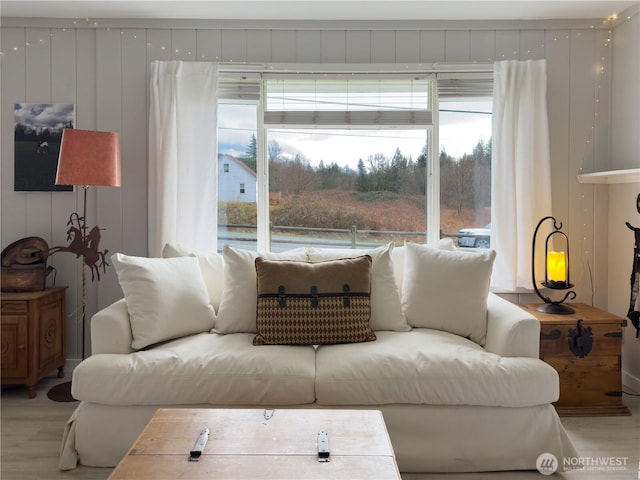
(37, 171)
(340, 209)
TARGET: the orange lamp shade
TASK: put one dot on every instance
(88, 157)
(557, 266)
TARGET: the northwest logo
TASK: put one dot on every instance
(547, 463)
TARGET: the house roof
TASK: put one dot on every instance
(237, 161)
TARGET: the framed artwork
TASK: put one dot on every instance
(37, 135)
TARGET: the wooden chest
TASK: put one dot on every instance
(24, 279)
(24, 265)
(265, 444)
(585, 349)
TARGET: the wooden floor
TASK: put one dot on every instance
(32, 431)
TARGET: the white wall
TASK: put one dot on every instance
(102, 68)
(625, 153)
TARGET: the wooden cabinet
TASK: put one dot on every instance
(32, 336)
(585, 349)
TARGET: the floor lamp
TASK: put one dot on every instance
(86, 158)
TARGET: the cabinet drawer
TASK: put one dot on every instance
(14, 306)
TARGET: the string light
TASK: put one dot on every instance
(587, 201)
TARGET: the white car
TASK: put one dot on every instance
(475, 237)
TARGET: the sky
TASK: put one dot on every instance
(459, 133)
(44, 116)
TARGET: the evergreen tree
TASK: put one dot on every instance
(422, 158)
(363, 179)
(251, 156)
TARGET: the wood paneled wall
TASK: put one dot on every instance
(625, 153)
(102, 68)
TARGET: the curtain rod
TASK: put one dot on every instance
(354, 69)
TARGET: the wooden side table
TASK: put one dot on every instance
(585, 349)
(32, 336)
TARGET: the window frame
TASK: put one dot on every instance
(256, 96)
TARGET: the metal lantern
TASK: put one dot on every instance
(556, 270)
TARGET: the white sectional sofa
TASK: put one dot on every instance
(453, 368)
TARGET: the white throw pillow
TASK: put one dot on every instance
(397, 258)
(211, 266)
(447, 290)
(166, 298)
(238, 307)
(386, 311)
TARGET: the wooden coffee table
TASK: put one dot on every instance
(244, 444)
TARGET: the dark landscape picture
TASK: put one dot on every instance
(37, 133)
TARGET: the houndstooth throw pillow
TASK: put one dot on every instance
(302, 303)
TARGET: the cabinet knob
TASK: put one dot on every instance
(21, 347)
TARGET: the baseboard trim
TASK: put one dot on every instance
(631, 382)
(69, 366)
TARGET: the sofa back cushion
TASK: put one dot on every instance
(237, 312)
(211, 267)
(397, 259)
(386, 311)
(166, 298)
(302, 303)
(447, 289)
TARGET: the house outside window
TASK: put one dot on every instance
(345, 167)
(226, 168)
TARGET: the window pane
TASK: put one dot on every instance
(237, 213)
(347, 95)
(465, 170)
(346, 188)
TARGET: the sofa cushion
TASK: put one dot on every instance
(201, 369)
(386, 311)
(447, 290)
(303, 303)
(397, 258)
(166, 298)
(431, 367)
(211, 267)
(237, 312)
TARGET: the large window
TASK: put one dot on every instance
(345, 163)
(465, 170)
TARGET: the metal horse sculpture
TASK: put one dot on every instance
(85, 245)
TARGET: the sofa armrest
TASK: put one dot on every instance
(511, 331)
(111, 329)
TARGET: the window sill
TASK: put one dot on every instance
(610, 177)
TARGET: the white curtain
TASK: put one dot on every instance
(521, 178)
(183, 155)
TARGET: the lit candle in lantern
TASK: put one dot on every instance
(557, 269)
